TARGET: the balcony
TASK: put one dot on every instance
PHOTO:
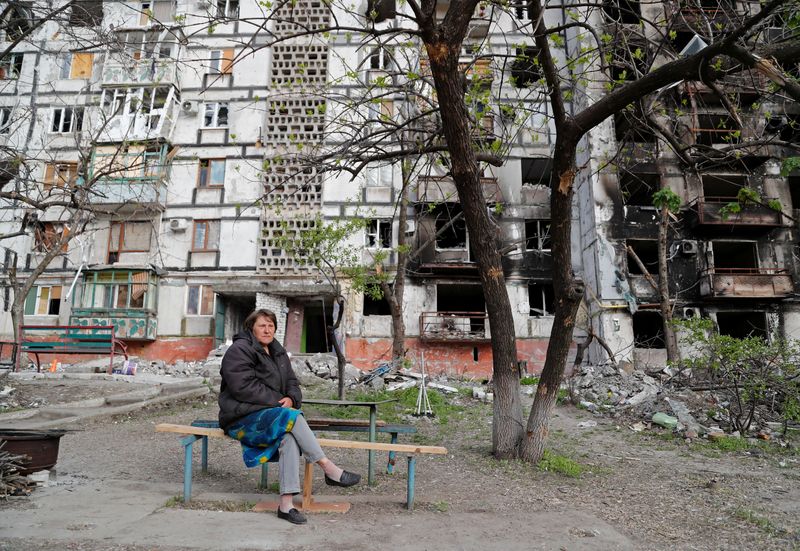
(454, 327)
(143, 71)
(438, 189)
(745, 283)
(479, 70)
(124, 298)
(710, 213)
(703, 15)
(134, 175)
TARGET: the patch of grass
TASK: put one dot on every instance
(174, 501)
(440, 506)
(552, 462)
(730, 444)
(762, 523)
(224, 505)
(529, 380)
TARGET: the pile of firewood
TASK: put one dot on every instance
(11, 482)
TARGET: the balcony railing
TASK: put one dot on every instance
(746, 283)
(143, 71)
(135, 177)
(128, 324)
(710, 212)
(454, 326)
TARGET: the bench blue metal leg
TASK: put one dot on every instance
(187, 442)
(390, 464)
(412, 461)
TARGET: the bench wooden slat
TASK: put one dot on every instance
(380, 446)
(324, 442)
(186, 429)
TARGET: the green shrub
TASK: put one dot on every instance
(751, 375)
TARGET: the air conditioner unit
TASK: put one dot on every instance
(178, 224)
(689, 247)
(776, 34)
(691, 312)
(189, 106)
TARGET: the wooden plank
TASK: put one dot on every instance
(186, 429)
(380, 446)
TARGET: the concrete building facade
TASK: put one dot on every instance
(189, 120)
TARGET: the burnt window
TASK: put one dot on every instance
(627, 12)
(722, 186)
(638, 187)
(741, 325)
(629, 62)
(450, 233)
(647, 252)
(86, 13)
(536, 171)
(525, 69)
(523, 9)
(376, 306)
(716, 129)
(734, 254)
(16, 20)
(537, 235)
(540, 299)
(793, 181)
(648, 329)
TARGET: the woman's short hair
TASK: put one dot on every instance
(250, 321)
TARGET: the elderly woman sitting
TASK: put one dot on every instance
(259, 405)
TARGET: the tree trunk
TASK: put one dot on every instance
(485, 242)
(568, 292)
(398, 290)
(341, 360)
(663, 287)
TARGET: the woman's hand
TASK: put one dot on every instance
(286, 402)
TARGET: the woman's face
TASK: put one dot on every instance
(264, 330)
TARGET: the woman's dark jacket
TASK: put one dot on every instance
(253, 380)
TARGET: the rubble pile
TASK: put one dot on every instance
(657, 398)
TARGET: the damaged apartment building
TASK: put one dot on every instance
(189, 140)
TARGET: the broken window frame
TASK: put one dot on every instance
(541, 239)
(6, 114)
(525, 64)
(47, 234)
(651, 341)
(43, 300)
(227, 9)
(11, 66)
(215, 114)
(378, 233)
(60, 175)
(456, 228)
(200, 300)
(66, 120)
(545, 299)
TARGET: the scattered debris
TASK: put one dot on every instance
(587, 424)
(664, 420)
(11, 482)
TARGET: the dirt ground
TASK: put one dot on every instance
(50, 392)
(660, 493)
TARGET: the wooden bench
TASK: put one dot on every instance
(336, 425)
(194, 433)
(71, 339)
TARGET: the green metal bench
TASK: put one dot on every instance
(70, 339)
